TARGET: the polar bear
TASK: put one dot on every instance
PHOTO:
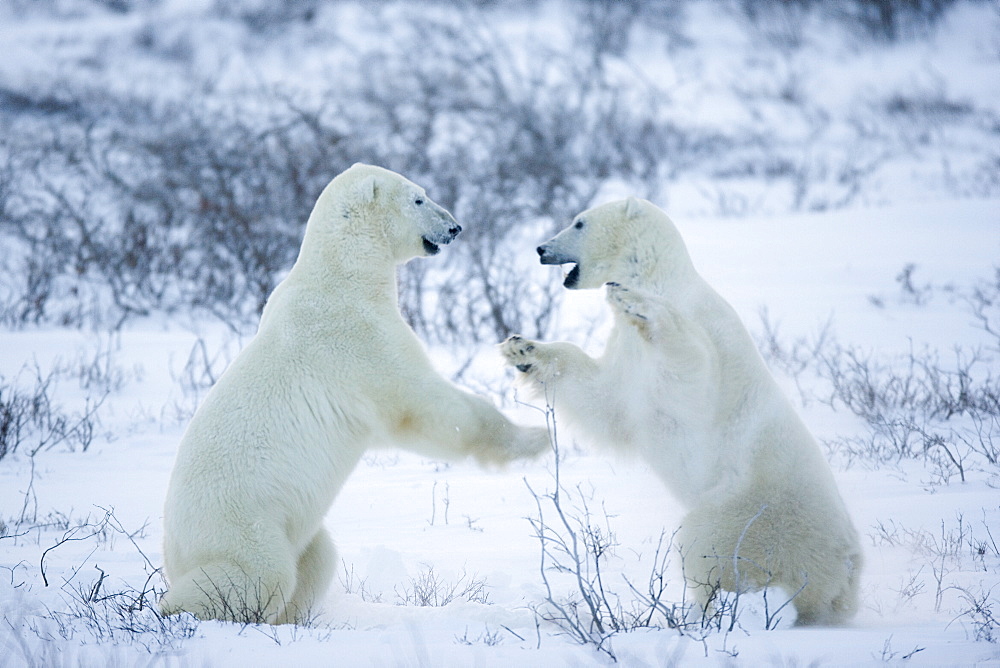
(332, 371)
(682, 385)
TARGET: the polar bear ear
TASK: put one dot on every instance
(633, 207)
(367, 189)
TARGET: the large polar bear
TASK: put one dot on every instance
(682, 385)
(332, 371)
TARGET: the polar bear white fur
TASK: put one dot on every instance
(332, 371)
(682, 385)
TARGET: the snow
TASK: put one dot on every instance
(400, 516)
(392, 523)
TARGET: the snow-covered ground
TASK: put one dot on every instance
(81, 530)
(400, 516)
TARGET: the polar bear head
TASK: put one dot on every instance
(630, 241)
(385, 210)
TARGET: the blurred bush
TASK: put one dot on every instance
(124, 205)
(116, 204)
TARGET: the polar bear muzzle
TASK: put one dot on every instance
(445, 229)
(548, 255)
(432, 247)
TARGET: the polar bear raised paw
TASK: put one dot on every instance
(519, 353)
(635, 308)
(540, 362)
(628, 302)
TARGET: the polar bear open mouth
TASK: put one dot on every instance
(430, 247)
(572, 277)
(548, 255)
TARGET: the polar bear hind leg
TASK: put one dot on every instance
(251, 585)
(730, 547)
(721, 556)
(226, 592)
(315, 570)
(834, 599)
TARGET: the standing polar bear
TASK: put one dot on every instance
(332, 371)
(682, 385)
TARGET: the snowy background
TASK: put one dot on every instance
(833, 167)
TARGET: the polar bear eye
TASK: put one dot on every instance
(578, 225)
(418, 201)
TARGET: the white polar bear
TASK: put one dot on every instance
(682, 385)
(332, 371)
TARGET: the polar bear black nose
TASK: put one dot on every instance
(455, 230)
(541, 251)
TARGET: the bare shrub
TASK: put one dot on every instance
(942, 410)
(201, 370)
(793, 358)
(487, 637)
(354, 584)
(116, 205)
(947, 552)
(895, 19)
(889, 655)
(428, 589)
(605, 26)
(878, 19)
(919, 408)
(262, 16)
(139, 205)
(76, 8)
(984, 303)
(130, 205)
(981, 613)
(31, 421)
(99, 610)
(919, 385)
(951, 554)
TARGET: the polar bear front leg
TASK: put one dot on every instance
(571, 383)
(641, 312)
(486, 434)
(442, 420)
(540, 362)
(547, 366)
